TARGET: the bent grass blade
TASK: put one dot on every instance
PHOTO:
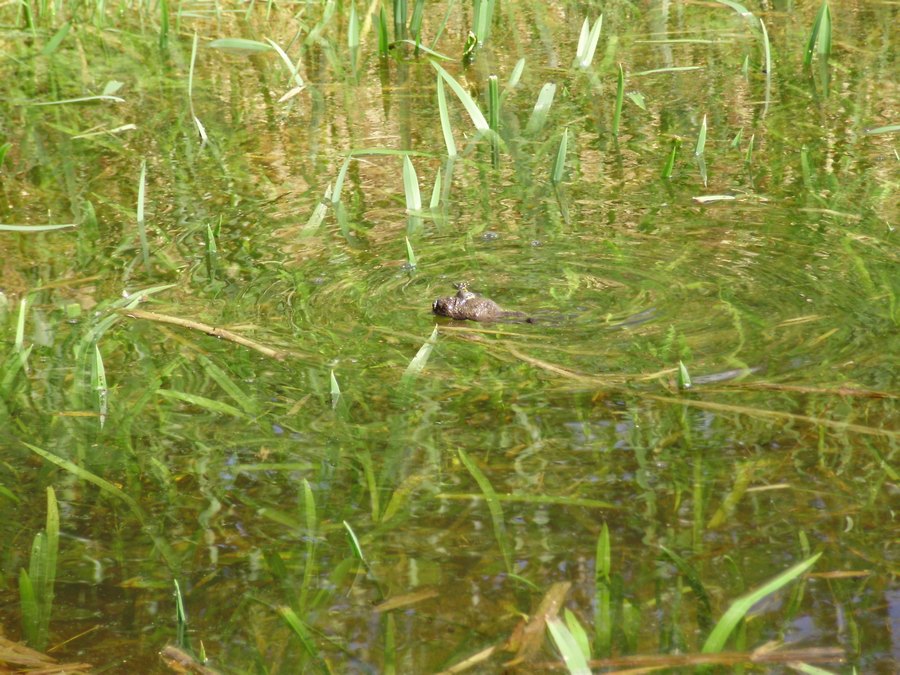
(739, 608)
(475, 114)
(493, 504)
(420, 360)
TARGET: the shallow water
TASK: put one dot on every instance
(248, 473)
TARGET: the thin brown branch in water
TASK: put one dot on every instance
(221, 333)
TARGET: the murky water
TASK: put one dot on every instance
(474, 486)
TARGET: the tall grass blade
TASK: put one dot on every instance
(701, 139)
(420, 360)
(180, 617)
(410, 254)
(142, 230)
(602, 584)
(436, 192)
(739, 608)
(335, 391)
(767, 60)
(318, 214)
(400, 9)
(578, 632)
(383, 39)
(163, 24)
(670, 160)
(445, 117)
(482, 15)
(568, 647)
(620, 99)
(98, 384)
(587, 43)
(469, 104)
(541, 108)
(201, 130)
(494, 508)
(311, 520)
(36, 586)
(411, 186)
(559, 165)
(20, 325)
(821, 26)
(494, 102)
(339, 181)
(516, 75)
(302, 632)
(415, 23)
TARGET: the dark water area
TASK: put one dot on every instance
(232, 379)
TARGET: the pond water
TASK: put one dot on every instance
(348, 490)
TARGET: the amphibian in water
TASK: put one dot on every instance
(467, 305)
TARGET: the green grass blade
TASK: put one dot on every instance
(339, 181)
(410, 254)
(98, 384)
(411, 186)
(559, 165)
(669, 166)
(468, 102)
(587, 43)
(209, 404)
(29, 609)
(353, 29)
(318, 214)
(383, 37)
(35, 228)
(302, 632)
(814, 35)
(494, 508)
(20, 325)
(239, 45)
(419, 361)
(603, 592)
(701, 139)
(335, 391)
(578, 632)
(142, 230)
(436, 192)
(568, 647)
(516, 75)
(767, 60)
(541, 108)
(620, 99)
(445, 118)
(739, 608)
(494, 102)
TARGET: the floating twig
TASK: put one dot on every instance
(205, 328)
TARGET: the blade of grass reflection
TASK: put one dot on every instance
(493, 504)
(312, 525)
(167, 552)
(229, 386)
(534, 499)
(704, 606)
(603, 592)
(618, 381)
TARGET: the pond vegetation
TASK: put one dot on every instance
(233, 433)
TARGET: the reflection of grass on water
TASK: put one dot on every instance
(330, 479)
